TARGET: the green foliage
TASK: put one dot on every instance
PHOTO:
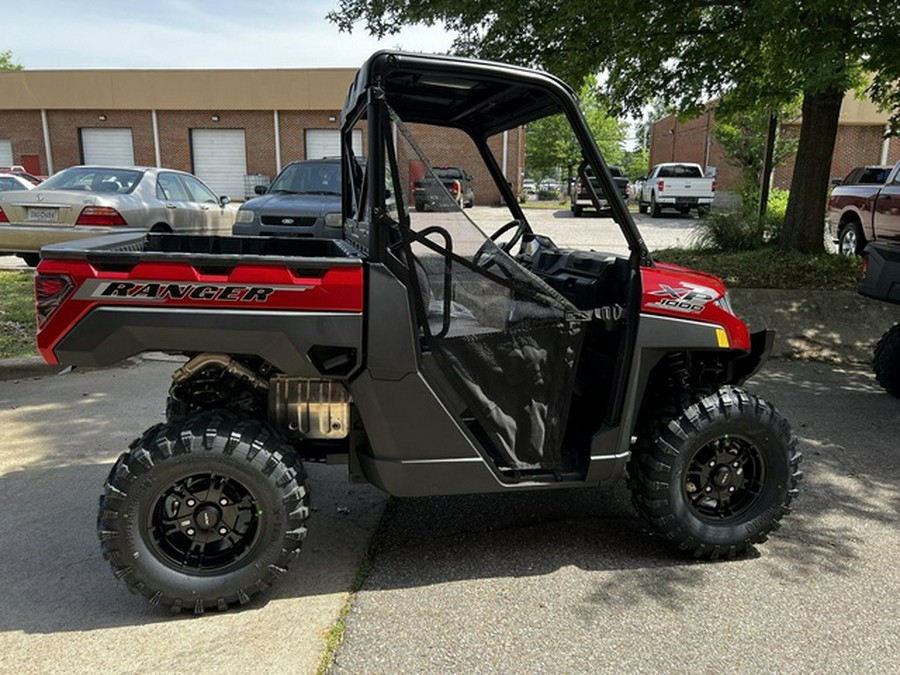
(743, 230)
(16, 315)
(636, 163)
(743, 135)
(770, 267)
(551, 145)
(7, 63)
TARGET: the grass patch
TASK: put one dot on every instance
(770, 268)
(336, 635)
(553, 204)
(16, 315)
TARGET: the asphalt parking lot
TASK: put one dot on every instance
(567, 581)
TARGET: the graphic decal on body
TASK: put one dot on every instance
(689, 298)
(156, 291)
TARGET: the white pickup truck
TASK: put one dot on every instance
(676, 185)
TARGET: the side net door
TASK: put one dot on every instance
(508, 343)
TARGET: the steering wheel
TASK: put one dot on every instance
(506, 247)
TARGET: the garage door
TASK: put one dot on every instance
(220, 160)
(327, 143)
(110, 147)
(5, 152)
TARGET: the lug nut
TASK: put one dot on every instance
(190, 532)
(223, 531)
(708, 489)
(223, 501)
(191, 502)
(735, 464)
(731, 489)
(712, 463)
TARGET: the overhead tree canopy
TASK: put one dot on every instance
(749, 53)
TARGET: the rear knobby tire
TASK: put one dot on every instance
(715, 477)
(886, 362)
(203, 514)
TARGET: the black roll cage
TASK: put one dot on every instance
(480, 98)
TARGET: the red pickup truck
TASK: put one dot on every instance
(865, 212)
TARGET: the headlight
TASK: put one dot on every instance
(725, 303)
(245, 216)
(333, 220)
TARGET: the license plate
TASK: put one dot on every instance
(43, 215)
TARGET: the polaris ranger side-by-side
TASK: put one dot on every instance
(431, 358)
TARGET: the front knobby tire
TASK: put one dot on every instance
(886, 361)
(715, 477)
(205, 513)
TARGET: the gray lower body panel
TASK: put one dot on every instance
(110, 334)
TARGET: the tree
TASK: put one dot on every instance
(743, 134)
(550, 143)
(760, 53)
(6, 62)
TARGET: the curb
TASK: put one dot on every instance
(26, 368)
(32, 367)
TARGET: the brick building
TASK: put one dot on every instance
(860, 141)
(233, 128)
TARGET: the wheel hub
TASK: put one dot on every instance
(204, 523)
(207, 516)
(724, 478)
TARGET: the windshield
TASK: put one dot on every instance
(94, 179)
(309, 178)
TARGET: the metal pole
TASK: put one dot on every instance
(767, 165)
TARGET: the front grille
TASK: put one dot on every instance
(289, 221)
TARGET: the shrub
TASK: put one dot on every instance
(743, 230)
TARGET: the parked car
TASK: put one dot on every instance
(304, 200)
(881, 281)
(580, 198)
(22, 173)
(12, 181)
(529, 187)
(677, 185)
(428, 194)
(865, 175)
(88, 201)
(863, 212)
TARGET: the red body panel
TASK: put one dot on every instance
(670, 290)
(274, 287)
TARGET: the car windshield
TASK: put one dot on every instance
(93, 179)
(447, 172)
(309, 178)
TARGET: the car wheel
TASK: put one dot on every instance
(420, 207)
(851, 240)
(655, 209)
(205, 513)
(31, 259)
(886, 362)
(684, 210)
(161, 228)
(576, 211)
(715, 477)
(642, 206)
(702, 211)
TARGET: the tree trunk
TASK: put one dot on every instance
(804, 221)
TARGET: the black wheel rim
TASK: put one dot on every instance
(204, 523)
(725, 478)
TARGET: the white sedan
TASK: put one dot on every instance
(89, 201)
